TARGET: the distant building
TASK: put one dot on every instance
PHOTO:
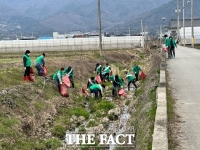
(45, 37)
(172, 28)
(56, 35)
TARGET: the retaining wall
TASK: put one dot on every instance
(160, 135)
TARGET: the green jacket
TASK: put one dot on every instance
(90, 83)
(69, 72)
(173, 43)
(120, 81)
(106, 69)
(40, 60)
(167, 42)
(98, 69)
(136, 69)
(96, 87)
(58, 76)
(130, 77)
(26, 60)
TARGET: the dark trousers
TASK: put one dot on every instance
(106, 76)
(115, 86)
(72, 81)
(136, 77)
(27, 71)
(96, 93)
(169, 52)
(39, 69)
(57, 85)
(172, 51)
(129, 83)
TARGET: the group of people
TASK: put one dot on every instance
(93, 85)
(117, 81)
(170, 44)
(39, 64)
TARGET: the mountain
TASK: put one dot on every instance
(44, 17)
(152, 20)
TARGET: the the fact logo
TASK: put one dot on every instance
(103, 139)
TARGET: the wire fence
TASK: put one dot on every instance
(71, 44)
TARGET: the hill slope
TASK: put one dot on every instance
(66, 15)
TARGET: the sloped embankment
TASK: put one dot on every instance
(34, 116)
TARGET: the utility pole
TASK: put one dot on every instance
(160, 34)
(129, 31)
(192, 24)
(178, 24)
(100, 36)
(142, 33)
(163, 19)
(183, 22)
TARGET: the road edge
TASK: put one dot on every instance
(160, 135)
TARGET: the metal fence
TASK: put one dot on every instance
(71, 44)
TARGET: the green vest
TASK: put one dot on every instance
(39, 60)
(106, 69)
(121, 82)
(130, 77)
(98, 69)
(91, 83)
(28, 60)
(70, 73)
(136, 69)
(96, 86)
(55, 76)
(167, 41)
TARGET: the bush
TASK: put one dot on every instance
(58, 131)
(53, 143)
(79, 112)
(105, 105)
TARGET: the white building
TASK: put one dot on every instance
(172, 30)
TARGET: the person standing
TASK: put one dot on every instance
(57, 77)
(167, 44)
(131, 79)
(136, 70)
(69, 71)
(97, 89)
(39, 63)
(172, 46)
(98, 69)
(117, 84)
(27, 65)
(106, 72)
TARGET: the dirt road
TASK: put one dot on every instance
(184, 72)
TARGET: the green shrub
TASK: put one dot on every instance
(58, 131)
(53, 143)
(105, 105)
(79, 112)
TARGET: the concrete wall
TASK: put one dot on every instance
(71, 44)
(160, 135)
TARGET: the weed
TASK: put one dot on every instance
(82, 129)
(58, 131)
(171, 117)
(92, 123)
(53, 143)
(127, 102)
(77, 111)
(105, 105)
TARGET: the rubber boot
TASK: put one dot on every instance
(24, 79)
(27, 78)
